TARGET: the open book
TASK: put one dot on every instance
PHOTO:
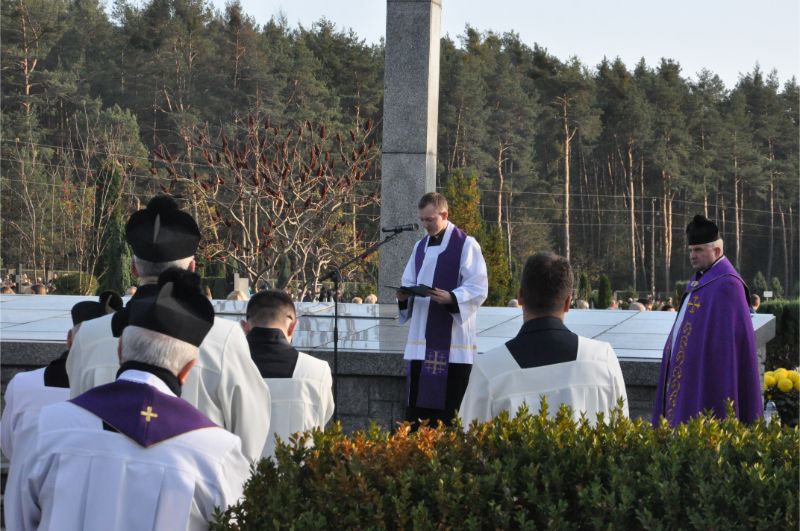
(420, 290)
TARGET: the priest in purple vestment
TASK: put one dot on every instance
(710, 355)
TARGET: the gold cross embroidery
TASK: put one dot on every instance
(149, 414)
(435, 364)
(693, 306)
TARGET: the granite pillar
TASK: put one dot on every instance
(410, 114)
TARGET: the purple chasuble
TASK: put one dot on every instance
(715, 356)
(142, 412)
(432, 389)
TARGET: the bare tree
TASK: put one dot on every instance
(280, 193)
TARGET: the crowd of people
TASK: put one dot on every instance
(155, 412)
(25, 285)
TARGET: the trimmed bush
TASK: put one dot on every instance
(782, 351)
(604, 293)
(530, 472)
(76, 284)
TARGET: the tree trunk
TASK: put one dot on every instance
(500, 184)
(653, 246)
(771, 156)
(785, 252)
(737, 214)
(667, 206)
(567, 140)
(632, 207)
(790, 288)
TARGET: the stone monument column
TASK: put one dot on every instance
(410, 117)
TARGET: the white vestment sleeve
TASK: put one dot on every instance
(473, 287)
(7, 420)
(326, 395)
(409, 279)
(476, 404)
(75, 362)
(235, 472)
(245, 399)
(618, 381)
(20, 501)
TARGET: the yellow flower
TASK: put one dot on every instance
(780, 374)
(785, 385)
(797, 385)
(794, 376)
(769, 381)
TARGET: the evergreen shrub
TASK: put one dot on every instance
(784, 349)
(529, 472)
(604, 293)
(76, 284)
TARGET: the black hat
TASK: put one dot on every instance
(162, 232)
(180, 309)
(109, 302)
(701, 230)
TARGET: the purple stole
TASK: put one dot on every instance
(715, 353)
(432, 388)
(142, 412)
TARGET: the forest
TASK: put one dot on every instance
(271, 136)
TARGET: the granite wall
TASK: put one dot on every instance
(371, 385)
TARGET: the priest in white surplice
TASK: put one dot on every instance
(300, 385)
(225, 384)
(545, 358)
(442, 335)
(28, 392)
(132, 455)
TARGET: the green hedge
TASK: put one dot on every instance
(76, 284)
(783, 350)
(530, 473)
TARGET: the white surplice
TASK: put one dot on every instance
(472, 290)
(591, 384)
(25, 395)
(70, 473)
(300, 403)
(224, 383)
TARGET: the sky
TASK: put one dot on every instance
(727, 37)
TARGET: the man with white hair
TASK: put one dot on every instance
(28, 392)
(131, 454)
(225, 385)
(710, 356)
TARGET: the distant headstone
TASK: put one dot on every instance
(410, 116)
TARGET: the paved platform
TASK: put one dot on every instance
(635, 336)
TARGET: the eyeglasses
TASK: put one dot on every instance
(430, 219)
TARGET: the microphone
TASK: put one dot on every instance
(401, 228)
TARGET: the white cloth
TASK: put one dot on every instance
(73, 474)
(25, 395)
(472, 290)
(224, 383)
(591, 384)
(300, 403)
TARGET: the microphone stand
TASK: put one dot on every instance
(335, 274)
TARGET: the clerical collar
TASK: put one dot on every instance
(163, 374)
(271, 335)
(55, 374)
(542, 323)
(437, 239)
(706, 270)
